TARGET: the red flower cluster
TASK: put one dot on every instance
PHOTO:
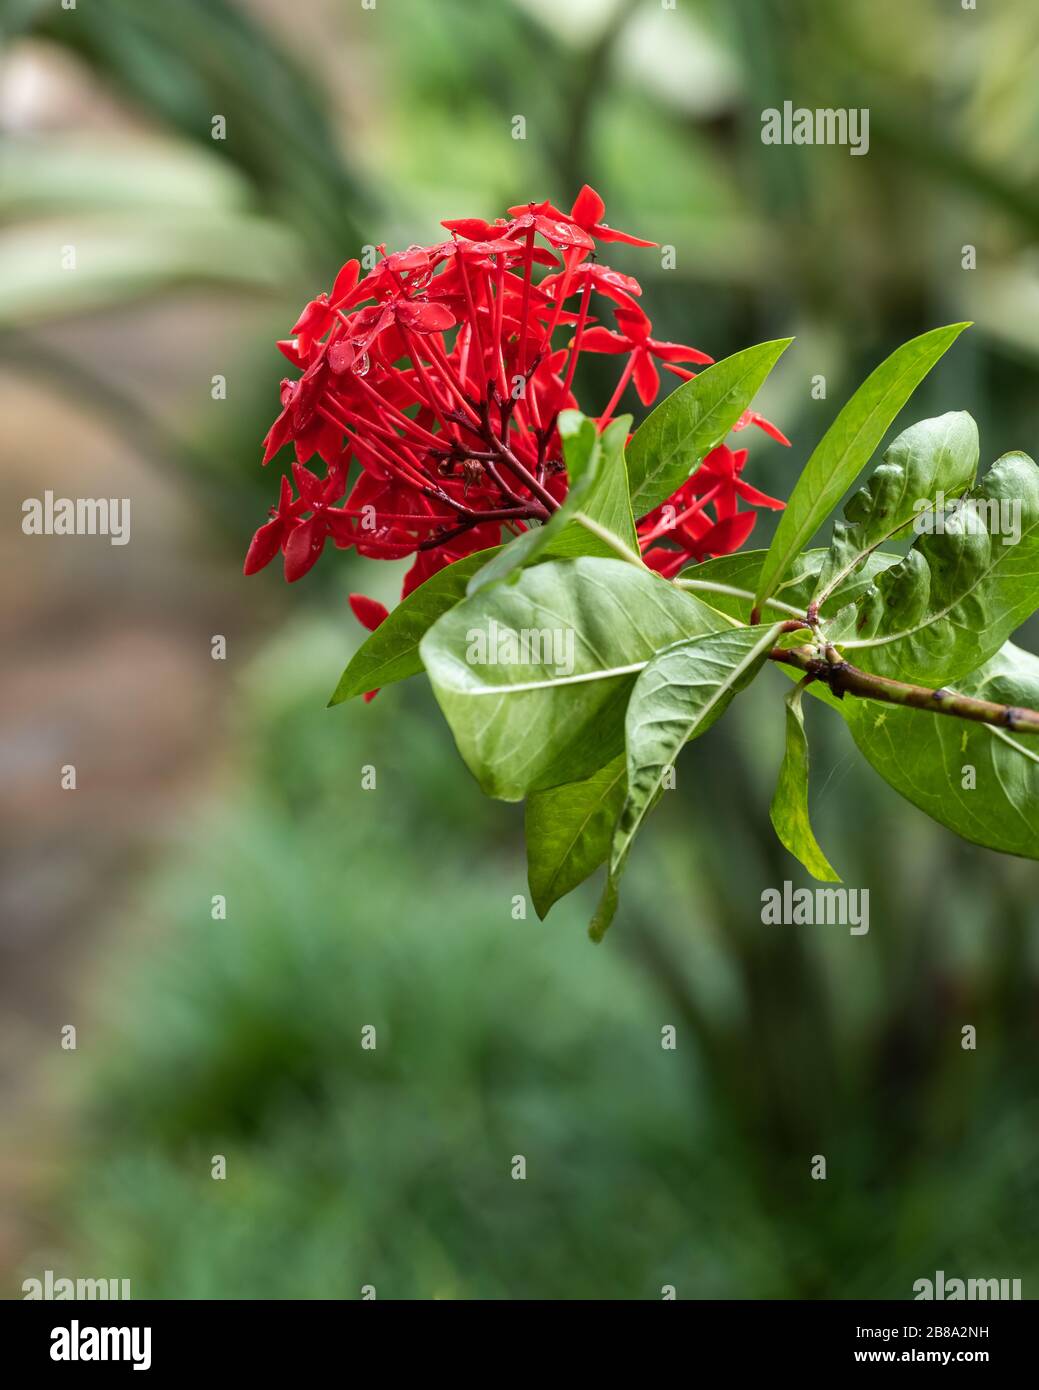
(437, 374)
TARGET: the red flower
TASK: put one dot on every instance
(587, 212)
(430, 389)
(634, 338)
(684, 522)
(271, 537)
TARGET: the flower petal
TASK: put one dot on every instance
(647, 378)
(425, 317)
(588, 208)
(369, 612)
(264, 546)
(728, 535)
(303, 548)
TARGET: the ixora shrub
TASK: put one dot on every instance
(576, 597)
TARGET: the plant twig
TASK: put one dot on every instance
(845, 679)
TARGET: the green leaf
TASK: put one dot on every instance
(728, 583)
(847, 445)
(789, 809)
(391, 652)
(583, 456)
(674, 439)
(607, 503)
(928, 758)
(679, 695)
(606, 910)
(959, 593)
(930, 459)
(569, 829)
(534, 677)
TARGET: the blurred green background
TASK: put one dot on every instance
(393, 907)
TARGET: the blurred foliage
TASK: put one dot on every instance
(496, 1037)
(392, 907)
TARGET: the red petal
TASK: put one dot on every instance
(308, 485)
(758, 499)
(632, 321)
(666, 562)
(647, 378)
(315, 319)
(303, 548)
(604, 340)
(278, 434)
(369, 612)
(604, 233)
(263, 547)
(414, 258)
(472, 228)
(725, 502)
(288, 348)
(729, 534)
(588, 208)
(345, 283)
(751, 417)
(425, 318)
(677, 352)
(341, 355)
(563, 233)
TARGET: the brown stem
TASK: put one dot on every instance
(531, 512)
(509, 460)
(845, 679)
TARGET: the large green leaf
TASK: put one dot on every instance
(979, 781)
(959, 593)
(847, 445)
(569, 829)
(679, 695)
(676, 437)
(391, 652)
(789, 809)
(933, 458)
(534, 677)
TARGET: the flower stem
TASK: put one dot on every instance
(607, 414)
